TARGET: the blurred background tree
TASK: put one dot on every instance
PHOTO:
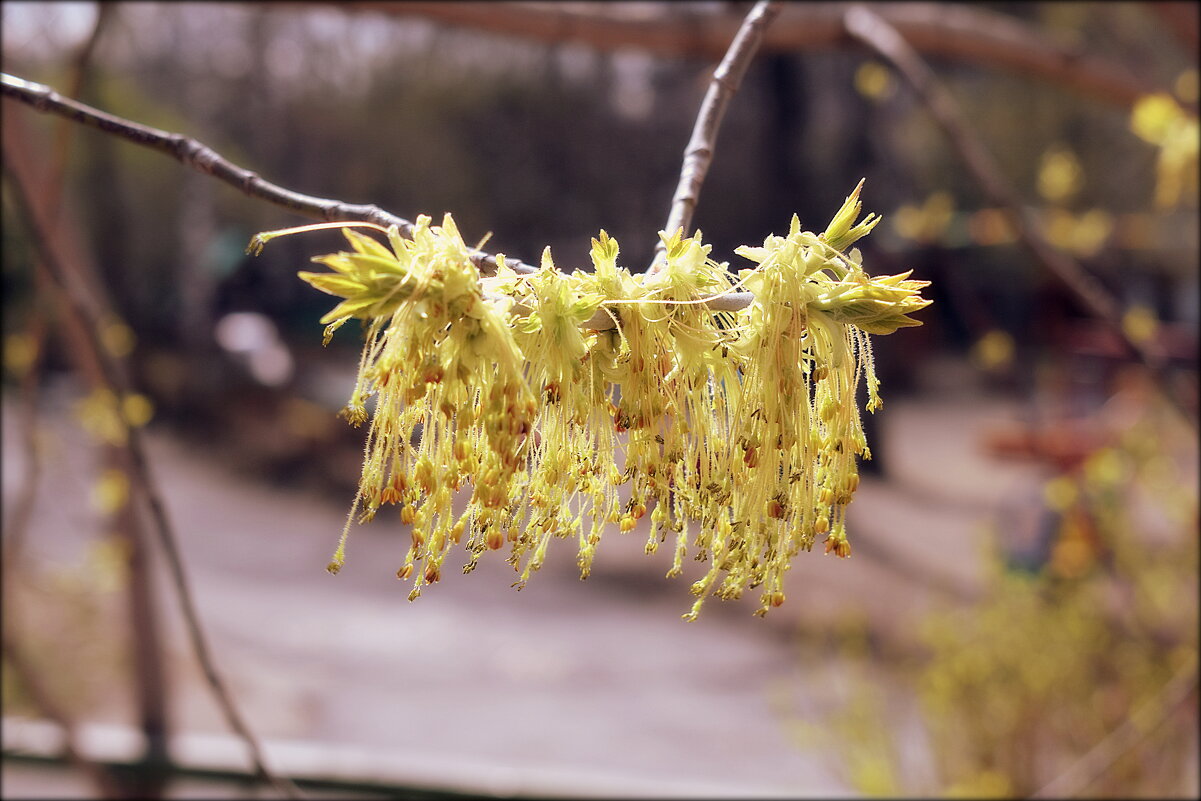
(542, 140)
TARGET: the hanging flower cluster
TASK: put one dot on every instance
(536, 396)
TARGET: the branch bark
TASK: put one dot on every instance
(698, 154)
(889, 44)
(950, 30)
(205, 160)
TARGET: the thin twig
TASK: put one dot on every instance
(45, 99)
(883, 39)
(82, 306)
(204, 159)
(17, 524)
(79, 76)
(126, 527)
(1140, 725)
(698, 154)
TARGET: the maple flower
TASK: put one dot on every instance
(536, 396)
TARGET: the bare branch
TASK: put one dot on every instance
(698, 154)
(83, 308)
(955, 31)
(204, 159)
(884, 40)
(79, 74)
(25, 497)
(43, 98)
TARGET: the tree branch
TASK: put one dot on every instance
(955, 31)
(83, 308)
(45, 99)
(205, 160)
(698, 154)
(885, 41)
(79, 76)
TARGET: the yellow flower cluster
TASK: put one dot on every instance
(1160, 120)
(534, 397)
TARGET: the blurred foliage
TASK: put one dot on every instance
(1056, 655)
(65, 606)
(1160, 120)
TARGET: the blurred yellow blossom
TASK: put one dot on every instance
(1140, 323)
(927, 222)
(20, 352)
(107, 420)
(1059, 174)
(1081, 235)
(117, 337)
(1159, 120)
(110, 492)
(993, 351)
(137, 409)
(1060, 493)
(874, 81)
(99, 415)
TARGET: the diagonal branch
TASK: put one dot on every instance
(45, 99)
(698, 154)
(111, 371)
(882, 38)
(204, 159)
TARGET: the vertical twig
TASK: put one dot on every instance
(63, 132)
(25, 497)
(30, 392)
(82, 307)
(698, 154)
(125, 525)
(884, 40)
(148, 675)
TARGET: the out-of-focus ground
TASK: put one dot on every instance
(567, 687)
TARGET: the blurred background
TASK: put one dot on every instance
(1020, 612)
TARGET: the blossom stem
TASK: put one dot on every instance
(698, 154)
